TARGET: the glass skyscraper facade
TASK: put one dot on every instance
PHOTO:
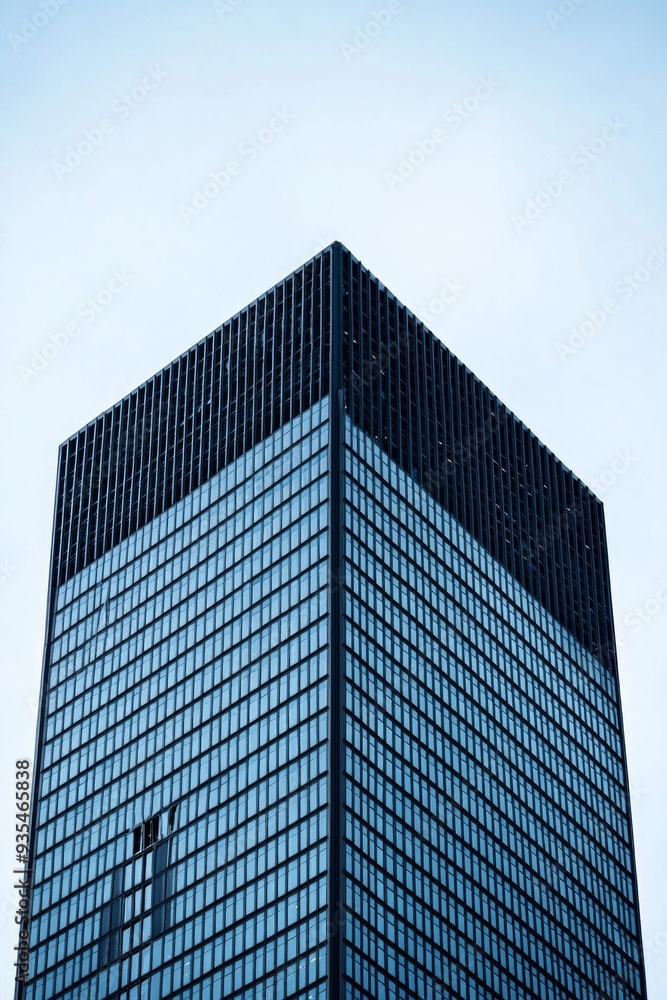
(330, 701)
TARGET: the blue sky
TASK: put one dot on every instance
(530, 235)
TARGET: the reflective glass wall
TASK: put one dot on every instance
(487, 848)
(330, 700)
(180, 847)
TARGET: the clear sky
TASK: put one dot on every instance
(499, 165)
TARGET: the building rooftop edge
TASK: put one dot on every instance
(248, 305)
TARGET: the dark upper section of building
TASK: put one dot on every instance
(440, 424)
(401, 386)
(237, 386)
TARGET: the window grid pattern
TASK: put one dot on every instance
(262, 368)
(443, 427)
(487, 840)
(181, 840)
(232, 744)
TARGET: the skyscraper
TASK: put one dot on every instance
(330, 694)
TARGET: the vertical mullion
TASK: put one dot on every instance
(131, 463)
(68, 457)
(228, 352)
(336, 728)
(76, 523)
(181, 421)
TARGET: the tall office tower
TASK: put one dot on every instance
(330, 694)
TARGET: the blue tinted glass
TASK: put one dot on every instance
(181, 844)
(487, 845)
